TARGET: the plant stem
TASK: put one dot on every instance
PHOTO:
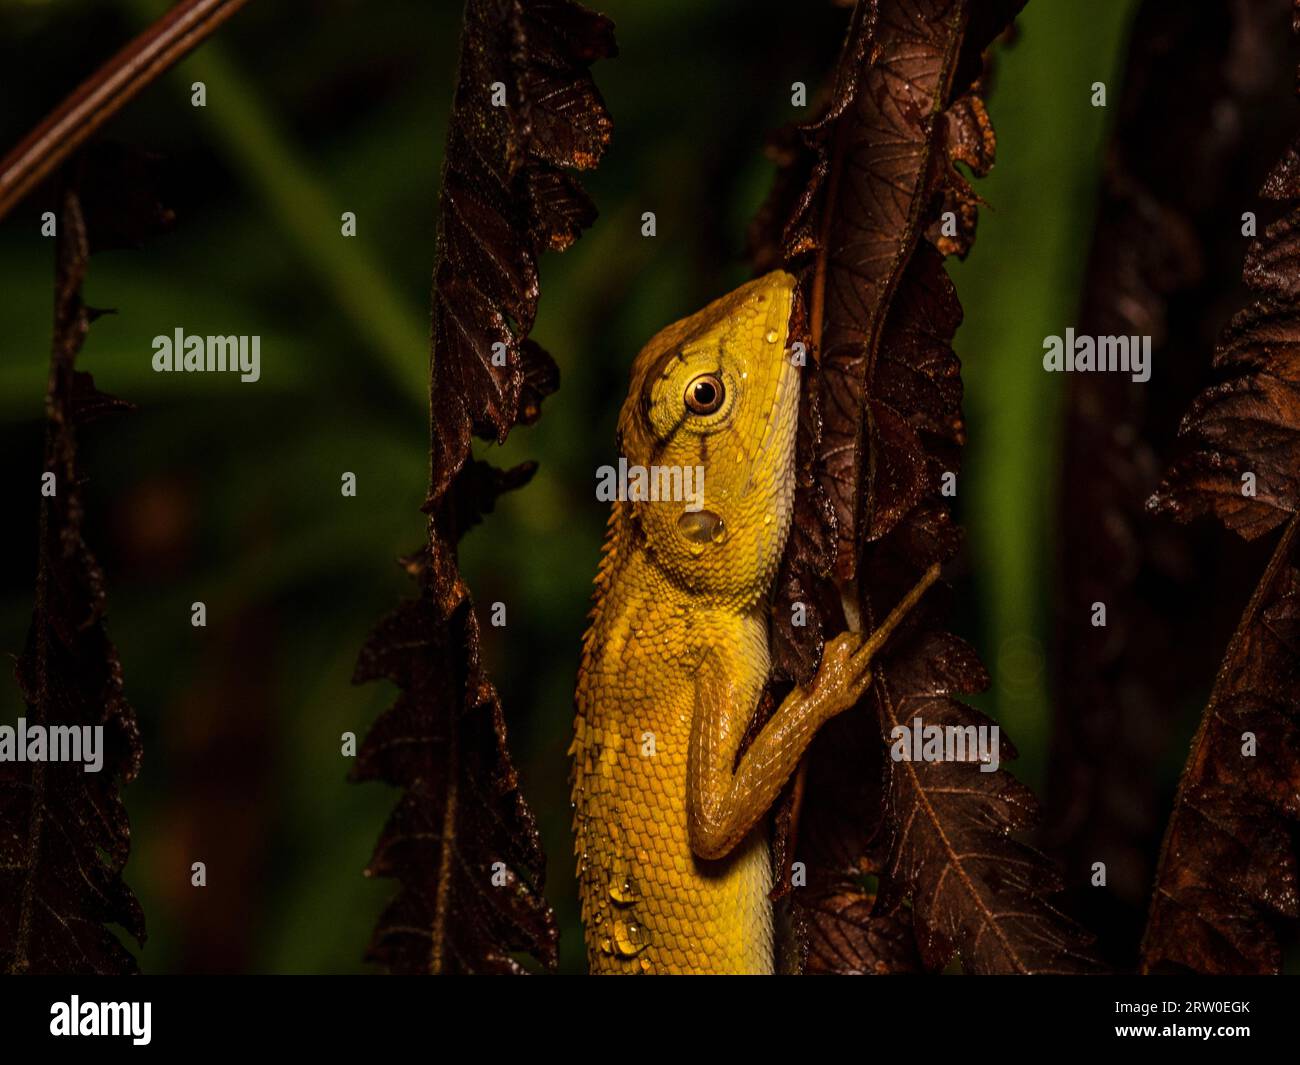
(107, 91)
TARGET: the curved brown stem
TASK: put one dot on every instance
(107, 91)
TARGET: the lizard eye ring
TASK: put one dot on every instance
(704, 394)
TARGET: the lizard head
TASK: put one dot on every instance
(710, 419)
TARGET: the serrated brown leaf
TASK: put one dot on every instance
(462, 812)
(1206, 90)
(1245, 430)
(1228, 869)
(856, 213)
(1227, 873)
(856, 190)
(974, 887)
(462, 842)
(796, 646)
(64, 833)
(969, 139)
(845, 938)
(879, 164)
(842, 843)
(505, 198)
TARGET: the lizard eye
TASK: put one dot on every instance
(704, 394)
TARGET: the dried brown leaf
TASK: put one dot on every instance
(462, 842)
(845, 856)
(856, 214)
(1205, 91)
(799, 608)
(505, 199)
(64, 832)
(974, 887)
(462, 812)
(1227, 873)
(1245, 430)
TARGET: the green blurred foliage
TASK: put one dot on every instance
(229, 493)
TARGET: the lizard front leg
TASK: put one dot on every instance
(723, 806)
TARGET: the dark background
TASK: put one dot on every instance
(229, 493)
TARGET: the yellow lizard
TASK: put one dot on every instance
(673, 863)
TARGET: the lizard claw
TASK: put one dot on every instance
(845, 672)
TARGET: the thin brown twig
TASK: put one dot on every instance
(107, 91)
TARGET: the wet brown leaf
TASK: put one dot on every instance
(857, 213)
(846, 939)
(1227, 875)
(799, 606)
(1227, 871)
(1245, 430)
(853, 189)
(974, 887)
(64, 832)
(462, 812)
(844, 863)
(462, 842)
(506, 198)
(1206, 90)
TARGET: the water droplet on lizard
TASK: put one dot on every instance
(629, 938)
(772, 336)
(622, 890)
(701, 526)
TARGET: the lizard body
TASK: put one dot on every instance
(673, 862)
